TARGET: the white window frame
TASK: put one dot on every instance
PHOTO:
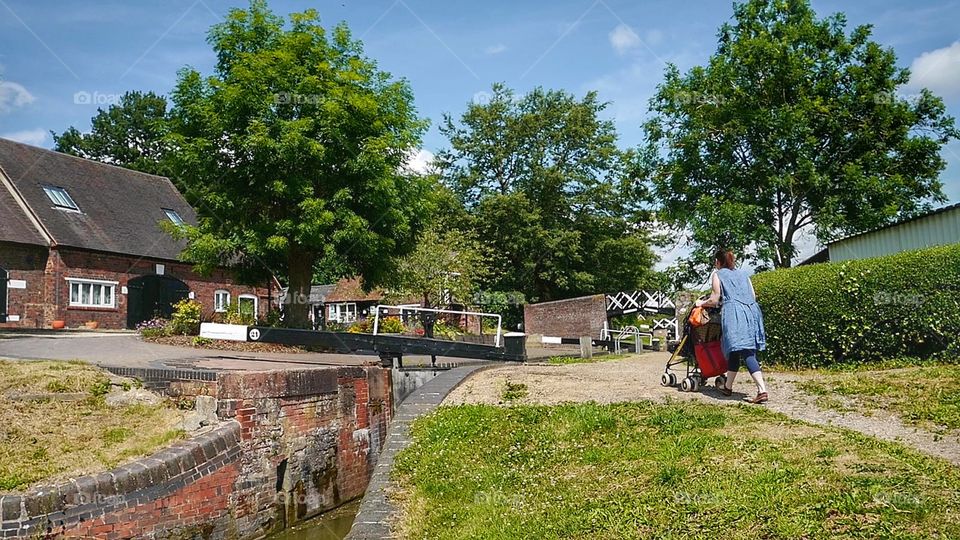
(102, 283)
(220, 307)
(60, 198)
(342, 312)
(256, 303)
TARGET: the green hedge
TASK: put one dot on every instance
(897, 306)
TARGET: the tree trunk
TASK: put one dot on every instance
(297, 306)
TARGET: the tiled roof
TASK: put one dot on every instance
(120, 209)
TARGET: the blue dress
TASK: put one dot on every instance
(740, 318)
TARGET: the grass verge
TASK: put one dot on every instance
(927, 396)
(677, 470)
(44, 439)
(564, 360)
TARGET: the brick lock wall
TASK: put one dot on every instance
(310, 439)
(47, 295)
(292, 444)
(576, 317)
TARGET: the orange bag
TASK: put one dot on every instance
(699, 317)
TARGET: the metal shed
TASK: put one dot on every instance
(936, 228)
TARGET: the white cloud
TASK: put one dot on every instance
(938, 70)
(35, 137)
(623, 39)
(420, 161)
(495, 49)
(12, 96)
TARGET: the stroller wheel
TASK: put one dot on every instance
(696, 383)
(687, 385)
(721, 382)
(673, 379)
(665, 379)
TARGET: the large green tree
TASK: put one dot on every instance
(794, 124)
(547, 189)
(446, 267)
(128, 134)
(293, 146)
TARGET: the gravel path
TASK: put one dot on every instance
(638, 378)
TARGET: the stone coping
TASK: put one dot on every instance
(46, 508)
(376, 510)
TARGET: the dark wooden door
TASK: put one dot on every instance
(149, 297)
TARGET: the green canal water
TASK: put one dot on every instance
(333, 525)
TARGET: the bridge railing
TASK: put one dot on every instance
(386, 346)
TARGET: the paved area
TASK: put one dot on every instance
(128, 350)
(373, 520)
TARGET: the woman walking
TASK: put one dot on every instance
(740, 320)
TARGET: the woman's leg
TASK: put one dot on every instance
(733, 365)
(753, 366)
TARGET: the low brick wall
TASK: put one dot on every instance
(573, 318)
(290, 445)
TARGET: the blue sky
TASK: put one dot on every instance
(450, 51)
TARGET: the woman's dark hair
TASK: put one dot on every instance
(725, 259)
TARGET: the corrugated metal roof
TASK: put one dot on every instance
(937, 228)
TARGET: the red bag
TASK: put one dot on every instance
(710, 359)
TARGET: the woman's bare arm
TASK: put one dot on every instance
(714, 299)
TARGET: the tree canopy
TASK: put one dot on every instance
(293, 149)
(792, 124)
(128, 134)
(548, 191)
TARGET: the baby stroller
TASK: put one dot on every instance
(700, 354)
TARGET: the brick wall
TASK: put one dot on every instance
(291, 445)
(47, 295)
(25, 263)
(575, 317)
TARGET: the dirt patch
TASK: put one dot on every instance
(637, 378)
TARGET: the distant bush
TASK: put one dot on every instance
(273, 319)
(391, 325)
(902, 305)
(154, 328)
(363, 326)
(235, 315)
(185, 320)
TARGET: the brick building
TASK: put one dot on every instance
(82, 241)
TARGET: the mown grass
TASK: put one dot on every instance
(47, 439)
(564, 360)
(927, 396)
(672, 471)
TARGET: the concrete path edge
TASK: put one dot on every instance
(376, 510)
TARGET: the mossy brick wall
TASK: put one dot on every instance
(291, 444)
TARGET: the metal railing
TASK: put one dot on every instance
(401, 309)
